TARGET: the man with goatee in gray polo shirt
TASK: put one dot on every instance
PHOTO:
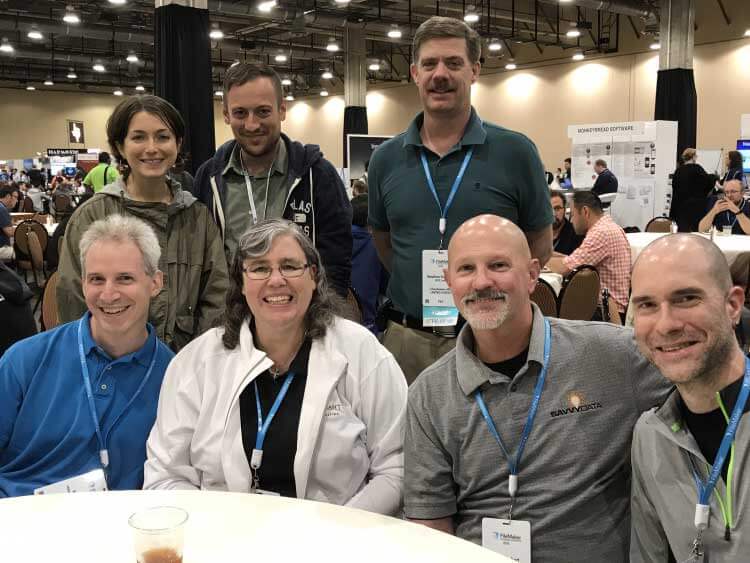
(519, 439)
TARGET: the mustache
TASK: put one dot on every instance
(483, 294)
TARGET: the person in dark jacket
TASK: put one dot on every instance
(606, 182)
(564, 237)
(690, 188)
(734, 171)
(263, 174)
(369, 278)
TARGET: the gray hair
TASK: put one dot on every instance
(439, 27)
(257, 242)
(122, 228)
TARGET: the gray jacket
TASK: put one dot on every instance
(664, 493)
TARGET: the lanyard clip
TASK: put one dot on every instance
(701, 516)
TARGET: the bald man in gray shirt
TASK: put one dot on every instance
(572, 481)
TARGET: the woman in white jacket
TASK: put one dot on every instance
(328, 399)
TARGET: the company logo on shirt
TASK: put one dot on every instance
(576, 402)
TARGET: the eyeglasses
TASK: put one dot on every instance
(558, 208)
(264, 272)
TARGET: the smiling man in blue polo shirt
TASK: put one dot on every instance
(77, 402)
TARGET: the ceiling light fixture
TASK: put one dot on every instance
(215, 32)
(49, 82)
(6, 47)
(118, 2)
(70, 16)
(578, 56)
(324, 93)
(72, 74)
(374, 67)
(332, 46)
(471, 15)
(286, 82)
(140, 88)
(34, 33)
(99, 67)
(342, 2)
(30, 88)
(267, 6)
(655, 46)
(394, 32)
(280, 58)
(573, 33)
(327, 75)
(219, 94)
(289, 98)
(511, 66)
(494, 45)
(117, 92)
(747, 32)
(132, 57)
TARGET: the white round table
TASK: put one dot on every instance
(730, 245)
(555, 280)
(222, 528)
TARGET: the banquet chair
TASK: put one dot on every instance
(28, 205)
(62, 205)
(50, 317)
(545, 298)
(353, 307)
(579, 296)
(30, 241)
(610, 314)
(659, 224)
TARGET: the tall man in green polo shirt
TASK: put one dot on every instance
(447, 167)
(102, 174)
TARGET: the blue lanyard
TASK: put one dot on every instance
(705, 490)
(731, 216)
(454, 188)
(263, 426)
(103, 452)
(515, 463)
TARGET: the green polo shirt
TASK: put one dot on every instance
(505, 177)
(95, 178)
(237, 206)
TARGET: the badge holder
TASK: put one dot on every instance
(438, 310)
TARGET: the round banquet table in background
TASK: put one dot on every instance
(555, 280)
(222, 528)
(730, 245)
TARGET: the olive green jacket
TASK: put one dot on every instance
(192, 259)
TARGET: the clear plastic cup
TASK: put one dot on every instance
(158, 534)
(727, 230)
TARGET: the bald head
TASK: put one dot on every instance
(702, 255)
(483, 226)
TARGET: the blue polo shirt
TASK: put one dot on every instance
(46, 427)
(727, 218)
(505, 177)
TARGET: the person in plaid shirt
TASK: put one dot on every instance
(605, 247)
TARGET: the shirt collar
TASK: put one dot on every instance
(141, 356)
(279, 163)
(472, 373)
(473, 135)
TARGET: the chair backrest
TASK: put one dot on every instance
(62, 203)
(659, 225)
(35, 251)
(579, 296)
(28, 205)
(21, 235)
(354, 309)
(545, 298)
(610, 313)
(50, 317)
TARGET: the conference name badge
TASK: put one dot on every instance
(511, 538)
(91, 482)
(437, 302)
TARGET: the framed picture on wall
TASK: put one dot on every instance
(76, 135)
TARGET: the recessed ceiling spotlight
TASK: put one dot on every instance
(117, 92)
(34, 33)
(494, 45)
(511, 66)
(99, 67)
(49, 82)
(118, 2)
(132, 57)
(394, 32)
(280, 58)
(471, 16)
(286, 82)
(6, 47)
(327, 75)
(70, 15)
(30, 88)
(140, 88)
(573, 33)
(72, 74)
(324, 93)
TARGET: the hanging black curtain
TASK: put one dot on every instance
(182, 62)
(676, 100)
(355, 123)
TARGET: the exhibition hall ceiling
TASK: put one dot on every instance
(295, 37)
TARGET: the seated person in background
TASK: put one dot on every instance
(571, 481)
(605, 247)
(8, 199)
(684, 452)
(359, 188)
(369, 277)
(83, 396)
(15, 309)
(606, 182)
(563, 176)
(728, 210)
(564, 237)
(740, 272)
(286, 397)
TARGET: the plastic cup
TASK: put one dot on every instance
(158, 534)
(727, 230)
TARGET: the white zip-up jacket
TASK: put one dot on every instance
(350, 435)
